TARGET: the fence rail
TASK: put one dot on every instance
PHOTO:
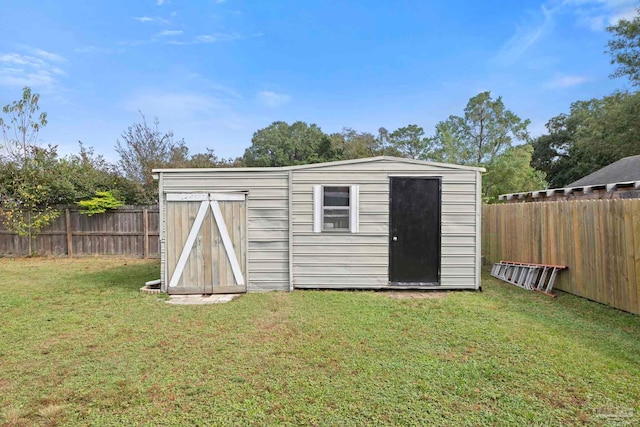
(126, 231)
(599, 240)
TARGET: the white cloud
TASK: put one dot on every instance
(210, 86)
(593, 14)
(49, 56)
(183, 105)
(36, 68)
(598, 14)
(164, 37)
(218, 37)
(161, 2)
(96, 49)
(565, 81)
(169, 33)
(150, 19)
(627, 15)
(526, 35)
(272, 99)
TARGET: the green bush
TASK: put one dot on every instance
(102, 201)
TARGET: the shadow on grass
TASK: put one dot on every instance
(129, 276)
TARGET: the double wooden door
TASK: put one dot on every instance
(206, 243)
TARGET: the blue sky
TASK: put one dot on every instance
(215, 71)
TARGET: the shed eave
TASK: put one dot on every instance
(386, 158)
(283, 169)
(322, 165)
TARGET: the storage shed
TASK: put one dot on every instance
(374, 223)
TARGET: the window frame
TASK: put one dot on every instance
(354, 211)
(349, 209)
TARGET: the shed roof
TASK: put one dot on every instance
(328, 164)
(624, 170)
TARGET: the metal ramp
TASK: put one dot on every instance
(532, 277)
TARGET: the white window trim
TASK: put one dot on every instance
(354, 208)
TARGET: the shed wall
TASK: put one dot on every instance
(324, 260)
(268, 218)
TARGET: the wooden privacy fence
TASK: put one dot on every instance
(126, 231)
(599, 240)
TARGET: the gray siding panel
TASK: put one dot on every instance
(267, 213)
(335, 261)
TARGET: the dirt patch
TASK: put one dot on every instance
(416, 295)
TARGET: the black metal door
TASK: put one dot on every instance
(414, 240)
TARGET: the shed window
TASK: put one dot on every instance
(335, 208)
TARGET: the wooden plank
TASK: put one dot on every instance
(636, 248)
(145, 226)
(67, 216)
(622, 292)
(224, 266)
(199, 197)
(627, 263)
(186, 250)
(609, 258)
(602, 249)
(191, 270)
(592, 236)
(575, 244)
(170, 236)
(228, 245)
(199, 270)
(186, 197)
(215, 255)
(230, 197)
(206, 269)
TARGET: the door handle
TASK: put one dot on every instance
(395, 238)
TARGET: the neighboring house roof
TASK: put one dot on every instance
(624, 170)
(625, 173)
(327, 164)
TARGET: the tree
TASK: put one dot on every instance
(281, 144)
(554, 153)
(484, 136)
(410, 141)
(144, 148)
(625, 48)
(210, 160)
(88, 173)
(511, 172)
(447, 147)
(485, 131)
(350, 144)
(26, 186)
(594, 134)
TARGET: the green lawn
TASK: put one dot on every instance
(79, 345)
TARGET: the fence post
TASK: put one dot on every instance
(145, 221)
(67, 215)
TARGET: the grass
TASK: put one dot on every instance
(80, 346)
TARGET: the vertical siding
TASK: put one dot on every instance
(361, 260)
(268, 218)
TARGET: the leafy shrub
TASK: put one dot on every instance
(102, 201)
